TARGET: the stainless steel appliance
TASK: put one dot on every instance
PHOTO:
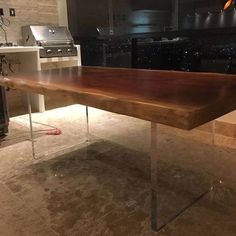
(55, 41)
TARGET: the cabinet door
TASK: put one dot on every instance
(87, 18)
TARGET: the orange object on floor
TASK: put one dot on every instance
(54, 132)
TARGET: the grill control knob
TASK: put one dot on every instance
(49, 51)
(69, 50)
(59, 50)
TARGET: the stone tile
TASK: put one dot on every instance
(17, 219)
(106, 188)
(226, 129)
(214, 215)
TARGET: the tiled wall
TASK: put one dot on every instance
(28, 12)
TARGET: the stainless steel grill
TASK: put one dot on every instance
(55, 41)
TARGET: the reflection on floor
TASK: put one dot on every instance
(103, 187)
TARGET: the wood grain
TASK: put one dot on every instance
(180, 99)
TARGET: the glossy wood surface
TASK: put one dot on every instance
(179, 99)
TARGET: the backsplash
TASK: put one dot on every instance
(27, 12)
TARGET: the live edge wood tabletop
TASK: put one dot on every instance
(180, 99)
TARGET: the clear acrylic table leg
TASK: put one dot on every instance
(31, 125)
(87, 124)
(154, 196)
(156, 223)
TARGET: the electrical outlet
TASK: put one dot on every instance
(1, 12)
(12, 12)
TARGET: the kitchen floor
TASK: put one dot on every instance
(102, 187)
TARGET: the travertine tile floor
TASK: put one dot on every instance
(103, 188)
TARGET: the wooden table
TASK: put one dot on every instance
(179, 99)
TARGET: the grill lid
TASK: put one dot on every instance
(46, 35)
